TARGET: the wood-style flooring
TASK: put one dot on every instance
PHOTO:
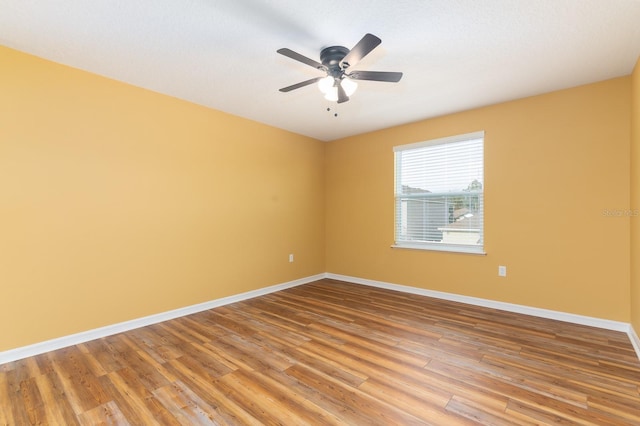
(331, 352)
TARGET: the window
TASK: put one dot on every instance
(439, 194)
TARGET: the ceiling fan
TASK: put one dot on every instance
(338, 84)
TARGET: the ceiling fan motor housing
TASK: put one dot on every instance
(331, 58)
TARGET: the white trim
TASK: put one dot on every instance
(451, 248)
(510, 307)
(635, 340)
(85, 336)
(447, 139)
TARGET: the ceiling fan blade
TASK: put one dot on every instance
(391, 77)
(300, 58)
(360, 50)
(342, 95)
(299, 85)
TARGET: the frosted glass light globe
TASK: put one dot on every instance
(349, 86)
(325, 84)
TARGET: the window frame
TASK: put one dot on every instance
(436, 246)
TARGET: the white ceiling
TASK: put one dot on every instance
(455, 54)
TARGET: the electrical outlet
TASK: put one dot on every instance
(502, 271)
(291, 258)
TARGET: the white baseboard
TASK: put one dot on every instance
(74, 339)
(85, 336)
(510, 307)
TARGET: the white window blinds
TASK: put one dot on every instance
(439, 194)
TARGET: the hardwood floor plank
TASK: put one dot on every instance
(293, 398)
(199, 360)
(586, 366)
(482, 413)
(14, 405)
(121, 399)
(276, 330)
(625, 410)
(141, 400)
(373, 346)
(6, 404)
(33, 401)
(185, 405)
(574, 412)
(526, 413)
(92, 362)
(57, 408)
(263, 403)
(225, 408)
(106, 414)
(370, 410)
(548, 384)
(568, 379)
(328, 367)
(76, 378)
(428, 407)
(107, 357)
(335, 353)
(339, 359)
(542, 414)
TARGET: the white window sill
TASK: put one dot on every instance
(444, 247)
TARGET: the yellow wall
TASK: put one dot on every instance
(635, 198)
(553, 164)
(117, 202)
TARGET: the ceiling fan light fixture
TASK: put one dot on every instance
(326, 84)
(329, 86)
(332, 94)
(349, 86)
